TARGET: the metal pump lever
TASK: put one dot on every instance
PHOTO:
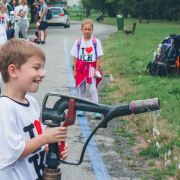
(54, 116)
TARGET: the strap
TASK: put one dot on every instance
(148, 66)
(95, 45)
(78, 45)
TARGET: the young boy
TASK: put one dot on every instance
(22, 136)
(4, 17)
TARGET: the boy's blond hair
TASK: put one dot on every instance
(17, 51)
(87, 21)
(2, 5)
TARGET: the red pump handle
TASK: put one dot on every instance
(70, 119)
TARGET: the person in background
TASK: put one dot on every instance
(87, 52)
(13, 3)
(100, 15)
(36, 11)
(22, 22)
(3, 39)
(43, 22)
(4, 17)
(5, 5)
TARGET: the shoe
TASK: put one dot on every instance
(97, 115)
(38, 42)
(81, 113)
(42, 42)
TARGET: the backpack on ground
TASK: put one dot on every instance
(10, 33)
(49, 14)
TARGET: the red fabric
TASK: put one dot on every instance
(38, 126)
(82, 74)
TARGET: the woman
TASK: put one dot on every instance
(22, 22)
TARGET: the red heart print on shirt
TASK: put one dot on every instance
(89, 50)
(2, 18)
(38, 126)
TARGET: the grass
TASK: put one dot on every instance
(131, 164)
(129, 157)
(119, 151)
(126, 58)
(151, 162)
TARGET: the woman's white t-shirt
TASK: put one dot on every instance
(17, 9)
(87, 50)
(25, 8)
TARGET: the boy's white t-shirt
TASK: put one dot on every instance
(19, 123)
(86, 50)
(3, 20)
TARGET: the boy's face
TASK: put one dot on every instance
(87, 30)
(2, 9)
(30, 75)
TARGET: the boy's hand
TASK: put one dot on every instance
(56, 134)
(46, 147)
(75, 74)
(64, 154)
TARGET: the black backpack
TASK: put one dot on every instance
(48, 14)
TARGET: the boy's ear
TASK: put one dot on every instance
(12, 70)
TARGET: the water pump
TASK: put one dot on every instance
(53, 117)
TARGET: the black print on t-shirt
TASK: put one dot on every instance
(2, 21)
(31, 133)
(21, 10)
(38, 167)
(35, 156)
(85, 57)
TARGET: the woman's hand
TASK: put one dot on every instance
(64, 154)
(94, 73)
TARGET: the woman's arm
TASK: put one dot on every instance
(75, 63)
(16, 15)
(21, 14)
(97, 65)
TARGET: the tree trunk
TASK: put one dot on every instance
(148, 13)
(140, 11)
(32, 13)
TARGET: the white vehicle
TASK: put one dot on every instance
(59, 17)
